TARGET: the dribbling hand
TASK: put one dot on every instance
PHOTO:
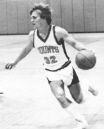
(9, 66)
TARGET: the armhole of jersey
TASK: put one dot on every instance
(33, 39)
(61, 40)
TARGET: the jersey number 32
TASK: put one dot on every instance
(50, 60)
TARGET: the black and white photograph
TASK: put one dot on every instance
(51, 64)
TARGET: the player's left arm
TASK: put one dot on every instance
(62, 33)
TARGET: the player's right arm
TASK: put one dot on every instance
(23, 53)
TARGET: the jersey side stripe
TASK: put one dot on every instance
(34, 39)
(55, 36)
(63, 46)
(60, 43)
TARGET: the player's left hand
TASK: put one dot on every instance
(9, 66)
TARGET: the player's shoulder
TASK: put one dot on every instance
(60, 32)
(30, 37)
(59, 29)
(31, 33)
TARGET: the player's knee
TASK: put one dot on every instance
(60, 96)
(61, 99)
(79, 100)
(59, 92)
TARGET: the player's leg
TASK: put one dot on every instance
(77, 95)
(87, 85)
(93, 91)
(57, 88)
(77, 91)
(75, 88)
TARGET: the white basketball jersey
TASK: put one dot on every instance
(53, 51)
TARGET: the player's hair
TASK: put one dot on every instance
(44, 11)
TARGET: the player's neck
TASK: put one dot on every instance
(44, 30)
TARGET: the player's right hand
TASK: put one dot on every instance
(9, 66)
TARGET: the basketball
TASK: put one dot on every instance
(85, 59)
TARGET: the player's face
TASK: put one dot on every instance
(36, 20)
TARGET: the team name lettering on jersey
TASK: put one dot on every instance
(48, 49)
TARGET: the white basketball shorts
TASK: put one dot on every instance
(65, 74)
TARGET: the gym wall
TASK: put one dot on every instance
(73, 15)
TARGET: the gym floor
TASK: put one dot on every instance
(27, 102)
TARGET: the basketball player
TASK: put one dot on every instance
(50, 41)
